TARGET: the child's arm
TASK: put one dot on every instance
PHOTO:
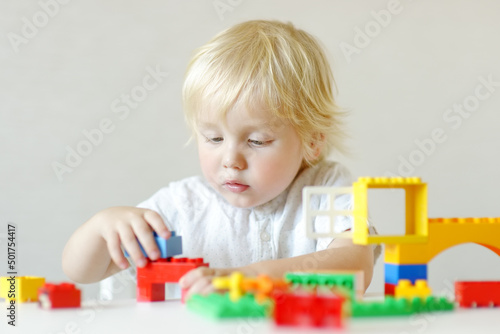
(93, 252)
(340, 254)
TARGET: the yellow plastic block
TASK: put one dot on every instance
(26, 288)
(232, 283)
(405, 289)
(445, 233)
(416, 210)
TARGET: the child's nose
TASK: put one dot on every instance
(234, 159)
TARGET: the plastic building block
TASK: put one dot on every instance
(416, 210)
(238, 285)
(168, 247)
(391, 306)
(233, 283)
(344, 282)
(412, 272)
(301, 308)
(151, 278)
(59, 296)
(263, 286)
(389, 289)
(445, 233)
(405, 289)
(477, 293)
(220, 306)
(25, 288)
(431, 304)
(309, 214)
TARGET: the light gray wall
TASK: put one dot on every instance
(67, 76)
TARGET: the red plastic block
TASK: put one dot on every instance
(151, 278)
(301, 308)
(390, 289)
(477, 293)
(59, 296)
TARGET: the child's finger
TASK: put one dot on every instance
(115, 251)
(157, 223)
(209, 288)
(145, 236)
(129, 242)
(201, 286)
(193, 276)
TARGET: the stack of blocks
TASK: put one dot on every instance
(396, 272)
(407, 256)
(151, 278)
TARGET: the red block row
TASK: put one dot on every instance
(306, 308)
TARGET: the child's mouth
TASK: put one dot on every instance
(235, 187)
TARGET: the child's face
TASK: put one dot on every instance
(251, 158)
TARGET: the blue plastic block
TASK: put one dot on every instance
(168, 248)
(412, 272)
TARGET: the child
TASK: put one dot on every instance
(258, 98)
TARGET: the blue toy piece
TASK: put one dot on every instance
(412, 272)
(168, 247)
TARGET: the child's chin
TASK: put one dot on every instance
(242, 203)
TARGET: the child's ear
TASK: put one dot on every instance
(317, 144)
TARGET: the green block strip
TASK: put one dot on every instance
(391, 306)
(344, 282)
(217, 305)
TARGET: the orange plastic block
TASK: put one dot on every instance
(263, 286)
(239, 285)
(445, 233)
(416, 210)
(405, 289)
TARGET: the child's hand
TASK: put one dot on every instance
(128, 226)
(199, 280)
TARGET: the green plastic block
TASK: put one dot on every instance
(432, 304)
(401, 306)
(344, 282)
(217, 305)
(390, 306)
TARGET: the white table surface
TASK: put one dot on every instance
(128, 316)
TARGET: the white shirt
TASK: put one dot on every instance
(227, 236)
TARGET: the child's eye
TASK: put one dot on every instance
(258, 142)
(214, 139)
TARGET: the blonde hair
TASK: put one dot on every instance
(271, 63)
